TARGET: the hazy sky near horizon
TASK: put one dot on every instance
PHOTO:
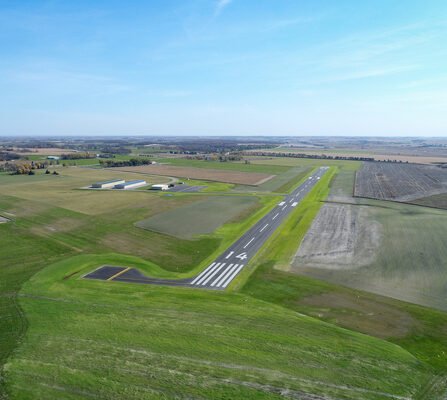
(216, 67)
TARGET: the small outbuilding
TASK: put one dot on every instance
(108, 184)
(131, 184)
(161, 186)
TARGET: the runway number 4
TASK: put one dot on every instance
(242, 256)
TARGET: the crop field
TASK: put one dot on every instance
(240, 166)
(237, 177)
(399, 182)
(341, 237)
(201, 217)
(147, 343)
(390, 249)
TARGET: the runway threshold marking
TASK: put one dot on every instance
(213, 274)
(118, 274)
(266, 225)
(229, 255)
(207, 274)
(203, 273)
(249, 243)
(223, 277)
(231, 277)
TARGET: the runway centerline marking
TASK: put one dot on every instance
(275, 216)
(249, 243)
(266, 225)
(229, 255)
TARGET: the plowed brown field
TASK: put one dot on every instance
(237, 177)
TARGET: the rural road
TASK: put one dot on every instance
(221, 272)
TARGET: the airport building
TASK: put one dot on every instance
(160, 187)
(131, 184)
(108, 184)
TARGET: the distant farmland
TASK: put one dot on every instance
(237, 177)
(400, 182)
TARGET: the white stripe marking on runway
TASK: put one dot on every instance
(275, 216)
(249, 243)
(284, 207)
(224, 276)
(266, 225)
(206, 275)
(200, 275)
(229, 255)
(295, 204)
(232, 276)
(282, 203)
(213, 274)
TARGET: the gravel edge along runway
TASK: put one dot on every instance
(224, 269)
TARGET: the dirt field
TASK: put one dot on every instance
(399, 182)
(341, 237)
(237, 177)
(50, 151)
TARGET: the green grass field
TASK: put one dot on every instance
(201, 217)
(139, 342)
(273, 335)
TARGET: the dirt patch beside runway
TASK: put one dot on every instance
(341, 237)
(237, 177)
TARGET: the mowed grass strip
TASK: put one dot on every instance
(90, 339)
(201, 217)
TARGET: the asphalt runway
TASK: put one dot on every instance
(225, 268)
(186, 188)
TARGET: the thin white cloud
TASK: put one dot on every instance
(221, 5)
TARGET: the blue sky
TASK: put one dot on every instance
(223, 67)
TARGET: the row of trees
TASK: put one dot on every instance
(304, 155)
(133, 162)
(77, 155)
(23, 168)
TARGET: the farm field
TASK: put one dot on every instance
(114, 352)
(391, 249)
(437, 201)
(220, 175)
(63, 190)
(240, 166)
(201, 217)
(377, 155)
(399, 182)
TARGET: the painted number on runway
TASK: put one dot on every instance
(242, 256)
